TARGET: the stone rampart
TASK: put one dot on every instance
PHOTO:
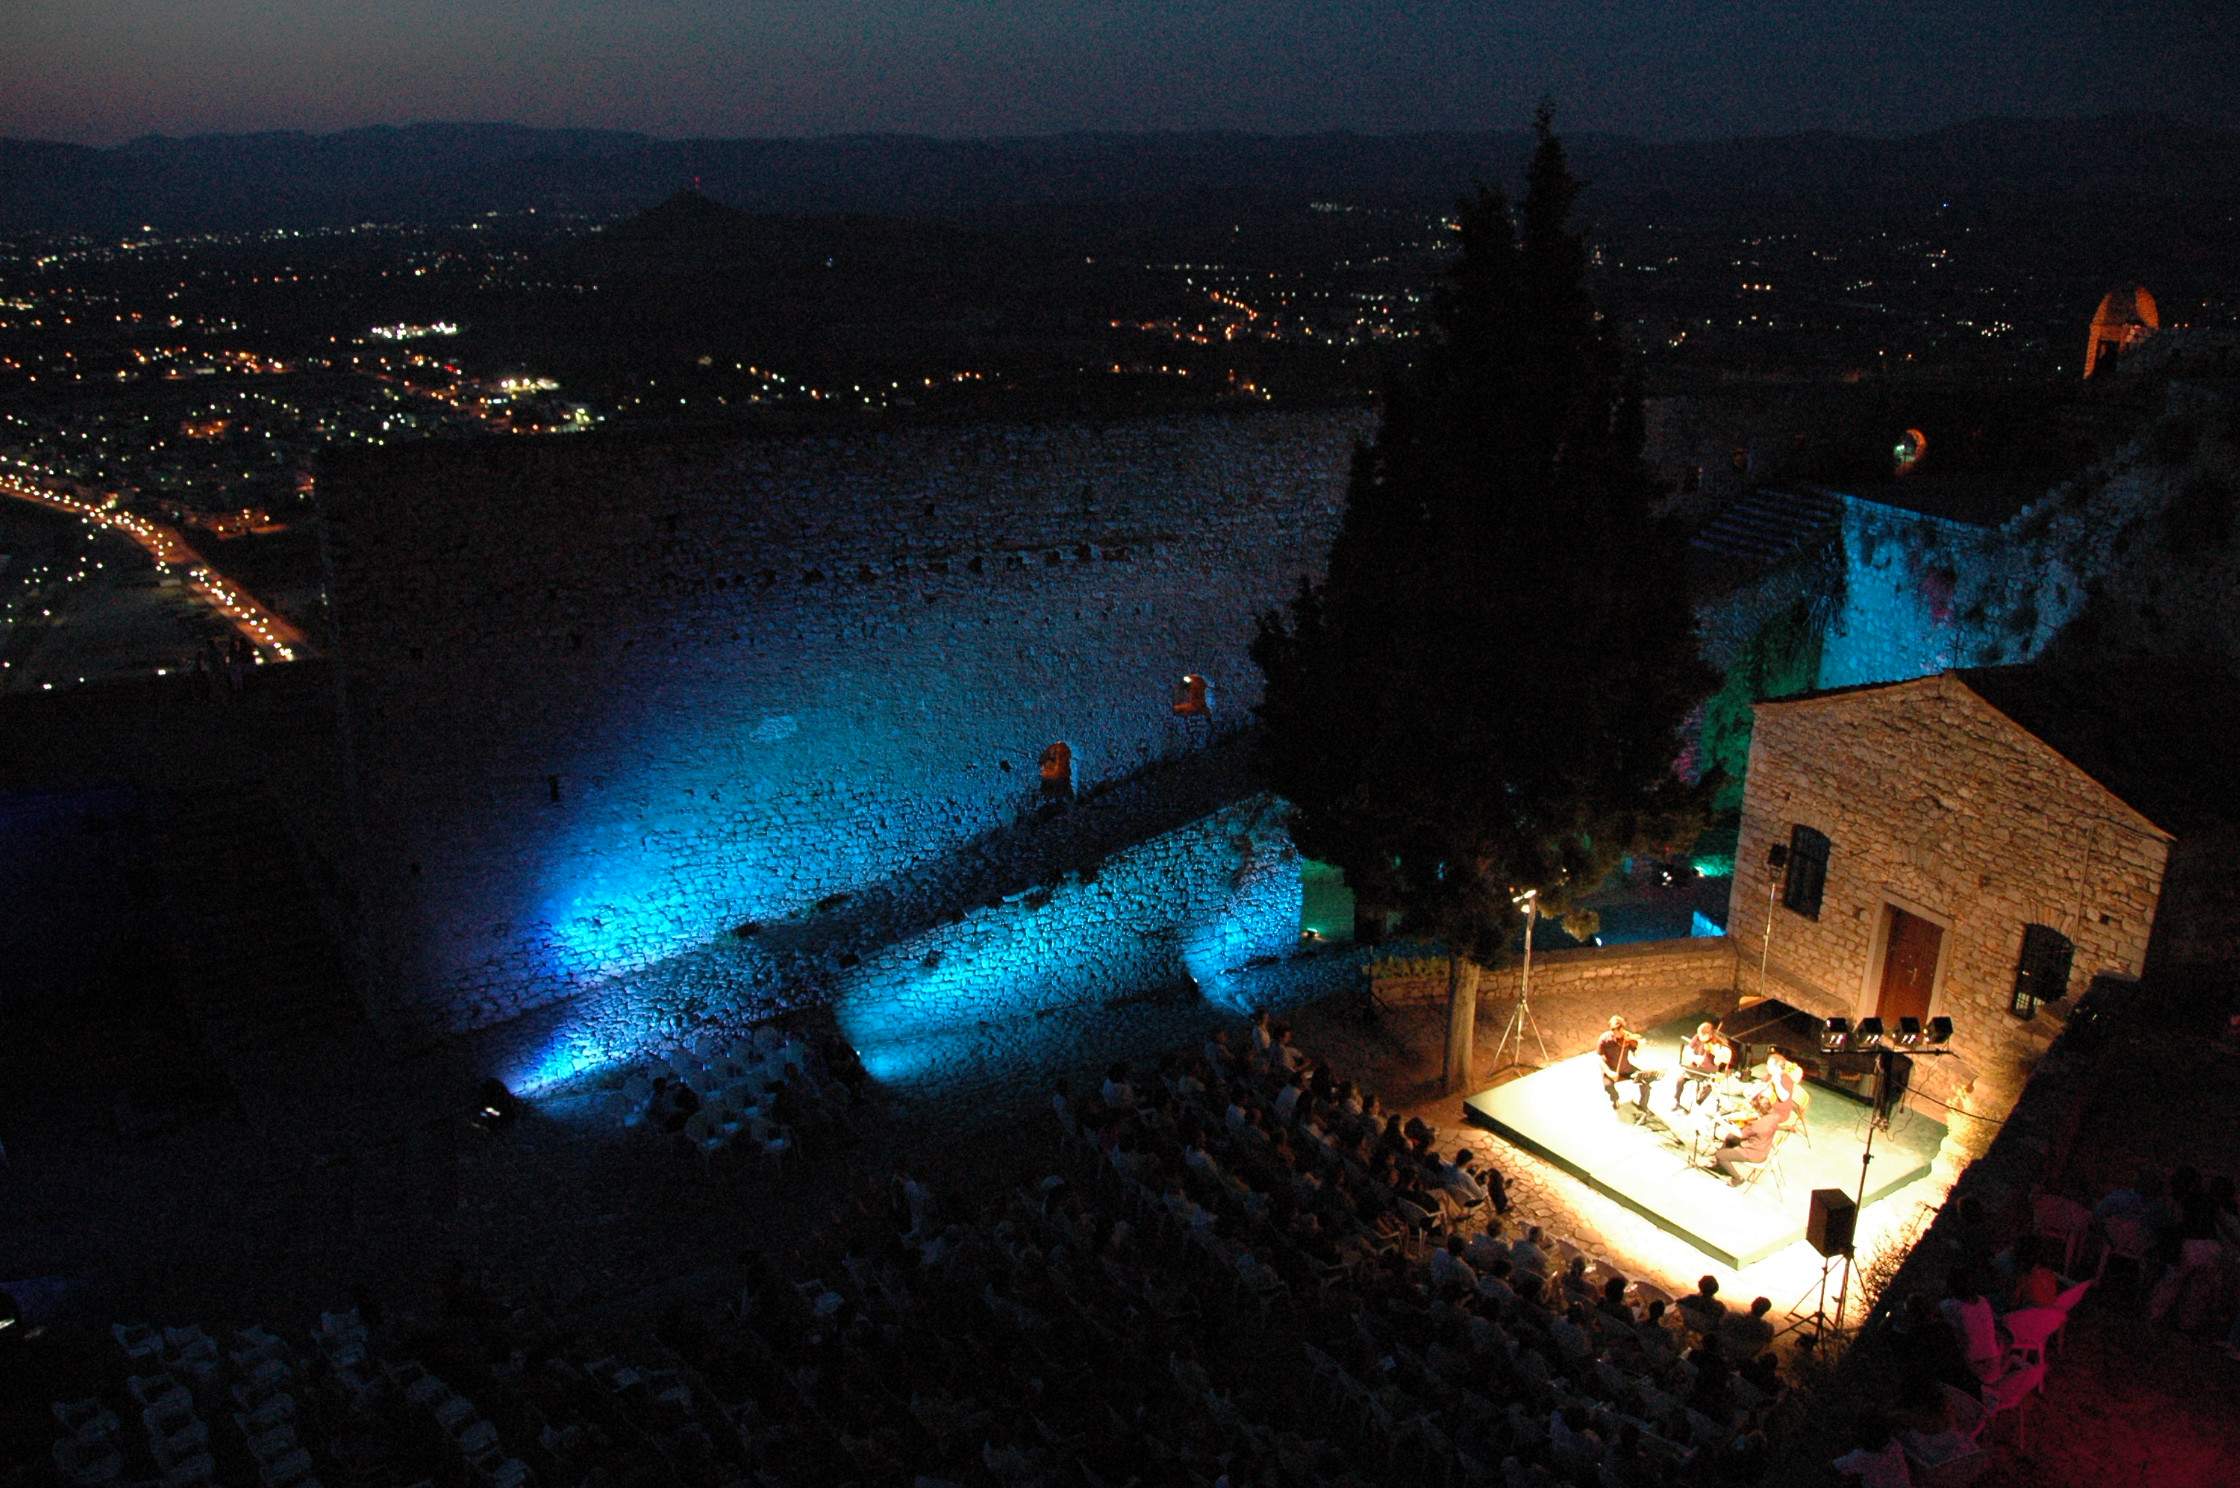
(1574, 991)
(606, 700)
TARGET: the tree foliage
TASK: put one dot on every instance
(1486, 692)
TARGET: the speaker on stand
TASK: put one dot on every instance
(1830, 1220)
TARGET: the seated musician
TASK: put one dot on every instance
(1703, 1059)
(1784, 1077)
(1749, 1145)
(1617, 1047)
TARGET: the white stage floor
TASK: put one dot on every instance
(1562, 1114)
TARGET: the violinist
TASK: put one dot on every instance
(1617, 1047)
(1703, 1059)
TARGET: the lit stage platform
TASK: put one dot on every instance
(1562, 1114)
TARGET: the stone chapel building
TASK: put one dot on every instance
(1986, 845)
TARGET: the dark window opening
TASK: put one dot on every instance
(1807, 876)
(1057, 770)
(2042, 975)
(1192, 697)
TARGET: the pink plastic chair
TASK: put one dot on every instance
(2028, 1332)
(2055, 1217)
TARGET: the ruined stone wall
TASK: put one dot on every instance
(606, 700)
(1934, 802)
(2139, 551)
(1574, 991)
(1900, 615)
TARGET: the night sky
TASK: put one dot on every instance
(102, 71)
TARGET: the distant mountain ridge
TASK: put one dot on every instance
(426, 172)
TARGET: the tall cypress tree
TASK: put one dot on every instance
(1485, 693)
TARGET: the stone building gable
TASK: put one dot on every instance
(1939, 805)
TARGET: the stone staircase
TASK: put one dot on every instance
(1764, 525)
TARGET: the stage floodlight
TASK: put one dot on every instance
(496, 1106)
(1940, 1030)
(1869, 1035)
(1835, 1035)
(1909, 1033)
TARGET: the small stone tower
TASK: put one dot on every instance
(2126, 317)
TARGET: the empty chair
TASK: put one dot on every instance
(182, 1444)
(425, 1389)
(292, 1468)
(478, 1439)
(1956, 1471)
(2124, 1240)
(263, 1381)
(2063, 1221)
(200, 1365)
(272, 1443)
(201, 1468)
(2028, 1332)
(454, 1412)
(138, 1340)
(2067, 1302)
(355, 1378)
(342, 1322)
(277, 1411)
(168, 1413)
(88, 1420)
(188, 1343)
(149, 1389)
(87, 1462)
(1974, 1418)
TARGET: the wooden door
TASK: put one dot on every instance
(1909, 968)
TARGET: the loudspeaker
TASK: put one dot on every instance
(1777, 856)
(1827, 1228)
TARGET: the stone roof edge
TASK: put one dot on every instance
(1837, 694)
(1826, 694)
(2154, 828)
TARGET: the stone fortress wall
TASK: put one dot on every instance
(2141, 548)
(606, 700)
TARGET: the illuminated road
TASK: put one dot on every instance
(274, 637)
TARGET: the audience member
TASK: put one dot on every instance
(1973, 1325)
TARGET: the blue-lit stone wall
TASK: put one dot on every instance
(1901, 614)
(608, 700)
(1184, 913)
(2133, 540)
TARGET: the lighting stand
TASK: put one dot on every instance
(1521, 1015)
